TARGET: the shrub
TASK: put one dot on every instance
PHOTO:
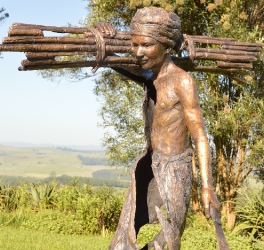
(68, 209)
(250, 215)
(199, 234)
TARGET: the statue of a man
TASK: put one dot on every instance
(162, 175)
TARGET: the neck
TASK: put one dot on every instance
(159, 71)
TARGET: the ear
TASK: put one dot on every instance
(168, 50)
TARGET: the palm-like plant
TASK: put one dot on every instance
(43, 193)
(250, 214)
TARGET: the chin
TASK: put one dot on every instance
(145, 66)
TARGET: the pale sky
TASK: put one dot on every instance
(35, 110)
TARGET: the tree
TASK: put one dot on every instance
(3, 16)
(234, 112)
(121, 110)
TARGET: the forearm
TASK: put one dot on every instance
(204, 159)
(130, 73)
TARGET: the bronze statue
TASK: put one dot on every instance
(163, 174)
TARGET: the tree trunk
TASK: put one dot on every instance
(195, 194)
(195, 197)
(228, 210)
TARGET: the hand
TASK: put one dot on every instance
(106, 28)
(209, 198)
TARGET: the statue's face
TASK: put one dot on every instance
(149, 52)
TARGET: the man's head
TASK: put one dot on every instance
(156, 23)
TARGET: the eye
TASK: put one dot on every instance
(134, 45)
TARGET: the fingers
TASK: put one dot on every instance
(111, 29)
(214, 201)
(157, 246)
(206, 205)
(106, 28)
(209, 199)
(207, 212)
(216, 204)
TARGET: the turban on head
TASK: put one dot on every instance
(156, 23)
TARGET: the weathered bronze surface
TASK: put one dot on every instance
(233, 59)
(162, 175)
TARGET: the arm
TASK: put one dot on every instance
(134, 73)
(187, 93)
(127, 73)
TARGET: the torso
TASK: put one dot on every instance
(169, 131)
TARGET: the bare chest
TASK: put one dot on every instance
(166, 97)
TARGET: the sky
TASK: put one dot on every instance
(33, 109)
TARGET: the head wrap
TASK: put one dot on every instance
(156, 23)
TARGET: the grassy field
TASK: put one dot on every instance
(17, 239)
(40, 162)
(194, 238)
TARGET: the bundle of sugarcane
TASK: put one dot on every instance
(231, 58)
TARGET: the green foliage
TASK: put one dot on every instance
(121, 102)
(67, 210)
(92, 161)
(235, 126)
(117, 13)
(112, 174)
(85, 210)
(3, 16)
(250, 213)
(13, 197)
(101, 152)
(20, 239)
(147, 233)
(43, 193)
(237, 120)
(200, 234)
(65, 179)
(42, 161)
(233, 112)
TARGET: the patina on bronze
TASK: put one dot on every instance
(163, 174)
(232, 59)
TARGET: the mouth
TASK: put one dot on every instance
(142, 62)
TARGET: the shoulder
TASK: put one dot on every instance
(184, 87)
(181, 79)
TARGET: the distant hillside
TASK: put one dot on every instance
(26, 145)
(62, 180)
(49, 145)
(111, 174)
(42, 162)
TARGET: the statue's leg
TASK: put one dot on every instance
(154, 200)
(174, 179)
(159, 238)
(135, 212)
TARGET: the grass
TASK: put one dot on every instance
(40, 162)
(17, 239)
(198, 235)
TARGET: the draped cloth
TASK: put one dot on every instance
(156, 23)
(156, 179)
(154, 176)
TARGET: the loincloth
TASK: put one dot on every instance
(173, 170)
(156, 179)
(173, 175)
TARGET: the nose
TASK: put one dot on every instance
(139, 52)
